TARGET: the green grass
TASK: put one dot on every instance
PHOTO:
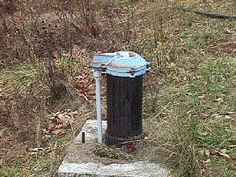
(189, 93)
(6, 171)
(207, 91)
(222, 167)
(31, 78)
(24, 78)
(218, 137)
(38, 165)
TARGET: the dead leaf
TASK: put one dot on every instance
(55, 114)
(58, 126)
(2, 133)
(228, 31)
(219, 100)
(58, 132)
(51, 126)
(64, 121)
(55, 55)
(61, 117)
(201, 152)
(35, 149)
(33, 153)
(201, 96)
(66, 124)
(85, 85)
(228, 117)
(233, 157)
(217, 116)
(73, 113)
(207, 161)
(207, 152)
(203, 133)
(223, 153)
(204, 115)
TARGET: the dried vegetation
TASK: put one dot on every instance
(46, 89)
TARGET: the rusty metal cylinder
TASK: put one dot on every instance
(124, 109)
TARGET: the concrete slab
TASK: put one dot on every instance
(81, 161)
(90, 129)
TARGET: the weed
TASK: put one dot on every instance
(22, 78)
(216, 79)
(190, 95)
(6, 171)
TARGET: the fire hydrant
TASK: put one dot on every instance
(124, 72)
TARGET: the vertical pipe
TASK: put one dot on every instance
(97, 76)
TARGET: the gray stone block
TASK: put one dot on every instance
(81, 162)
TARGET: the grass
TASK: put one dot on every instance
(189, 96)
(21, 78)
(32, 77)
(198, 84)
(6, 171)
(195, 115)
(29, 81)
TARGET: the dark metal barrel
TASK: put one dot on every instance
(124, 70)
(124, 109)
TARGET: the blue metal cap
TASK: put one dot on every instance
(122, 64)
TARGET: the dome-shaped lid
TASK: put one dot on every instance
(122, 63)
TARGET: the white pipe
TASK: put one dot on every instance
(97, 76)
